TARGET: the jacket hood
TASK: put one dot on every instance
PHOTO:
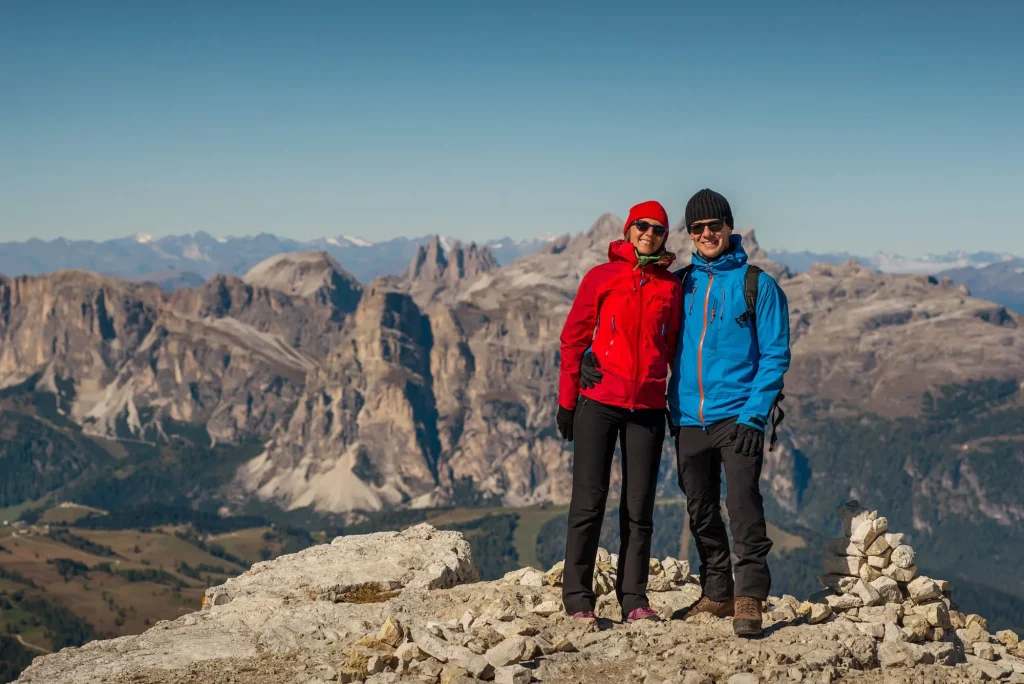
(623, 250)
(731, 259)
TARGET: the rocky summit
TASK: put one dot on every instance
(407, 607)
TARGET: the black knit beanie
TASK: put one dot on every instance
(708, 204)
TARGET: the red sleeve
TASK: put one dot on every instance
(577, 334)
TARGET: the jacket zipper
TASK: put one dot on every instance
(700, 349)
(612, 341)
(639, 328)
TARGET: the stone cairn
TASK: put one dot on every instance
(871, 579)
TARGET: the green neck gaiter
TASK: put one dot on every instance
(642, 260)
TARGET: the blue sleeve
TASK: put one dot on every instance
(773, 345)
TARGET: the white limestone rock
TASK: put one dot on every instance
(888, 589)
(903, 556)
(842, 565)
(842, 546)
(893, 571)
(923, 589)
(866, 533)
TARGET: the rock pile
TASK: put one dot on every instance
(872, 581)
(670, 586)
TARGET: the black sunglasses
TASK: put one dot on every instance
(644, 226)
(698, 228)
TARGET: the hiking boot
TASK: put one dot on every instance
(720, 609)
(747, 618)
(587, 615)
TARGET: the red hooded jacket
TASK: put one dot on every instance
(630, 318)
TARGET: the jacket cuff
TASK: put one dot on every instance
(753, 421)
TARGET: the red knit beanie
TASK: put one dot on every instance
(646, 210)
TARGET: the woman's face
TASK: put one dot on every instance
(647, 235)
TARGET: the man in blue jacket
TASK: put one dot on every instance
(728, 373)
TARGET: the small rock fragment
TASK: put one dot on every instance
(513, 650)
(513, 674)
(975, 618)
(894, 538)
(842, 565)
(923, 589)
(547, 608)
(985, 651)
(409, 652)
(430, 644)
(533, 578)
(888, 589)
(866, 533)
(937, 615)
(903, 556)
(844, 602)
(451, 672)
(916, 627)
(899, 574)
(391, 633)
(868, 594)
(1008, 638)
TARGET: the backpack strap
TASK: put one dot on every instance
(750, 280)
(749, 317)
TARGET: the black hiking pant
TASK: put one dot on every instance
(700, 456)
(641, 435)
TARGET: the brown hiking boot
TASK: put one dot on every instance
(720, 609)
(747, 619)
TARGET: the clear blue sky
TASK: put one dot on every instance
(830, 126)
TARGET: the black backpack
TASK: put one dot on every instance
(749, 318)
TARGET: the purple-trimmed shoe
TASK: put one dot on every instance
(584, 615)
(645, 613)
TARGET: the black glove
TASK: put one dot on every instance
(564, 420)
(589, 374)
(672, 429)
(749, 441)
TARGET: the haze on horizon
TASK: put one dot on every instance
(858, 128)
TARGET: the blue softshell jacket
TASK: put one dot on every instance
(723, 368)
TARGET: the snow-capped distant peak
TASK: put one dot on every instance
(222, 240)
(143, 238)
(333, 241)
(358, 242)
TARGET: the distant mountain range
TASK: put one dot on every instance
(988, 275)
(895, 263)
(181, 261)
(178, 261)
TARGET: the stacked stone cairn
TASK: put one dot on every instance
(872, 579)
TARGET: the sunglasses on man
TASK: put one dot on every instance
(644, 226)
(698, 228)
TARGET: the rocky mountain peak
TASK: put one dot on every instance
(308, 274)
(433, 263)
(409, 607)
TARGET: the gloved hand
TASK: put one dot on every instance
(749, 441)
(672, 429)
(589, 373)
(564, 420)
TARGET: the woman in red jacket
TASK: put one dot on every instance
(627, 312)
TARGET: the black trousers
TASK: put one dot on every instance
(700, 456)
(640, 434)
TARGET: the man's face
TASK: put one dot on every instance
(643, 233)
(710, 237)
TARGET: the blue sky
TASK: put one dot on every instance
(853, 126)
